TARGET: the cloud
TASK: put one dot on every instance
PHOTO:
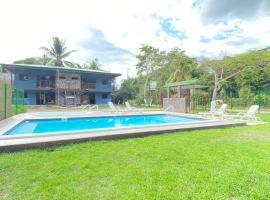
(104, 50)
(167, 25)
(113, 31)
(212, 10)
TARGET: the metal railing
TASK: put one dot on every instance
(91, 86)
(169, 108)
(89, 108)
(45, 84)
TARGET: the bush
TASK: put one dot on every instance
(19, 109)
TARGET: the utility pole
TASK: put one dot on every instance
(128, 73)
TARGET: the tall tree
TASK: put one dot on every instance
(179, 66)
(57, 51)
(45, 59)
(150, 59)
(94, 65)
(30, 61)
(258, 73)
(224, 69)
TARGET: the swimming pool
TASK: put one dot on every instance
(43, 126)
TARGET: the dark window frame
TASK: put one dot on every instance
(105, 81)
(23, 77)
(25, 95)
(104, 96)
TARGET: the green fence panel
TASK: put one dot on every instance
(17, 99)
(5, 100)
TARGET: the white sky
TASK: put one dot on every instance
(113, 31)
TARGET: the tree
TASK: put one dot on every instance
(225, 69)
(94, 65)
(57, 51)
(258, 72)
(45, 59)
(30, 61)
(150, 59)
(129, 89)
(179, 66)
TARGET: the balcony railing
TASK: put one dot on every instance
(89, 86)
(45, 84)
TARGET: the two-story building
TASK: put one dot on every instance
(61, 85)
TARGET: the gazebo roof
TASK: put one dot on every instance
(185, 84)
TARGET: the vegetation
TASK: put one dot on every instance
(19, 109)
(244, 77)
(162, 67)
(57, 51)
(30, 61)
(227, 163)
(226, 77)
(94, 65)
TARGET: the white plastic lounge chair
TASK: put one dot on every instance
(220, 112)
(114, 109)
(249, 115)
(133, 109)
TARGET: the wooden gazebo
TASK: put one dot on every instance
(179, 95)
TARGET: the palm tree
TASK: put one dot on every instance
(94, 65)
(57, 51)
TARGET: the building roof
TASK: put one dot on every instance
(187, 84)
(70, 69)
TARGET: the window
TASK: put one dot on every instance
(92, 80)
(25, 95)
(23, 77)
(75, 78)
(104, 96)
(62, 77)
(104, 82)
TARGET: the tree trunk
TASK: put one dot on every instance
(216, 88)
(214, 96)
(145, 87)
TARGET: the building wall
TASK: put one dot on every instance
(30, 85)
(68, 82)
(100, 100)
(100, 87)
(31, 97)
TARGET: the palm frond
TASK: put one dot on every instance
(67, 54)
(57, 50)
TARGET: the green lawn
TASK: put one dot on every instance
(229, 163)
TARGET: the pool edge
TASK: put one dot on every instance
(14, 144)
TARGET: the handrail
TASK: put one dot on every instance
(169, 107)
(90, 108)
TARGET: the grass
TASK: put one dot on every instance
(228, 163)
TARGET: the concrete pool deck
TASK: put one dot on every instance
(18, 142)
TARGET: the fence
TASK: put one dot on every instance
(202, 103)
(11, 99)
(5, 99)
(17, 100)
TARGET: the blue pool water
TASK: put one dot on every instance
(38, 126)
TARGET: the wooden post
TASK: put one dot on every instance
(56, 85)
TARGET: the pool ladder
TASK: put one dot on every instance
(169, 108)
(90, 108)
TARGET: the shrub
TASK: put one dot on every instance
(19, 109)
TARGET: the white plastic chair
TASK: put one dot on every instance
(213, 112)
(114, 109)
(250, 114)
(133, 109)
